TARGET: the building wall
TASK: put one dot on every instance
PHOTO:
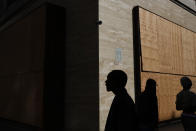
(189, 3)
(116, 31)
(21, 71)
(89, 59)
(82, 65)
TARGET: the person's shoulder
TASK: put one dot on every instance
(128, 99)
(186, 93)
(180, 93)
(192, 93)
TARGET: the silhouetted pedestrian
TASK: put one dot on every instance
(186, 101)
(147, 107)
(122, 116)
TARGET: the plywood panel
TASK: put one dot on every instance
(188, 52)
(150, 47)
(168, 52)
(168, 87)
(176, 50)
(165, 46)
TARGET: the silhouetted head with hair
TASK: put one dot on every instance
(116, 81)
(150, 87)
(186, 83)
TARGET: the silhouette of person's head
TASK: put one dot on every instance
(186, 83)
(150, 87)
(116, 80)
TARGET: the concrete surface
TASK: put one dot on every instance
(172, 127)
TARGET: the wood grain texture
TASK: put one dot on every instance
(150, 45)
(164, 41)
(188, 52)
(168, 87)
(168, 52)
(176, 50)
(166, 47)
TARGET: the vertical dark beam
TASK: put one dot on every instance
(54, 70)
(136, 52)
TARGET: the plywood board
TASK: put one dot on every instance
(176, 50)
(165, 46)
(150, 47)
(168, 86)
(168, 52)
(188, 52)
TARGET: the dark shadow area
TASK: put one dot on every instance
(147, 107)
(173, 126)
(33, 71)
(136, 52)
(81, 57)
(122, 115)
(9, 125)
(54, 69)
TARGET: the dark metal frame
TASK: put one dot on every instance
(136, 52)
(184, 6)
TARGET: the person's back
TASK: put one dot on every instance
(148, 110)
(186, 101)
(147, 107)
(122, 114)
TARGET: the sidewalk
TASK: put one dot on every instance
(172, 127)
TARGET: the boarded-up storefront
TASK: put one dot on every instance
(165, 52)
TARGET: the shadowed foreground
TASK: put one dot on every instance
(172, 127)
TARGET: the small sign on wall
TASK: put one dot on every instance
(118, 56)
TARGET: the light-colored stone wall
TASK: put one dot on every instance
(116, 32)
(190, 3)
